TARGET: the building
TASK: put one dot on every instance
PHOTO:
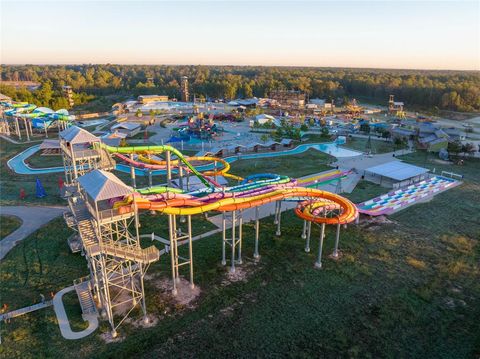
(129, 129)
(146, 99)
(289, 98)
(4, 98)
(184, 88)
(68, 93)
(263, 119)
(394, 106)
(395, 174)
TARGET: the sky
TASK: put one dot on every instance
(375, 34)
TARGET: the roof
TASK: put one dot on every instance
(126, 125)
(50, 144)
(5, 97)
(75, 134)
(397, 170)
(101, 185)
(286, 141)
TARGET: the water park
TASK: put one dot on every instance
(115, 191)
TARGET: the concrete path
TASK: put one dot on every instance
(62, 318)
(32, 218)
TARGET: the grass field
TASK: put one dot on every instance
(11, 183)
(405, 289)
(9, 224)
(39, 161)
(378, 145)
(306, 163)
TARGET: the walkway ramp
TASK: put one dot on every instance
(22, 311)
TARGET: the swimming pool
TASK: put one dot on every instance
(18, 165)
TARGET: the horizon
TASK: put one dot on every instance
(402, 35)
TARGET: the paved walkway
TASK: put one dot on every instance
(32, 218)
(62, 318)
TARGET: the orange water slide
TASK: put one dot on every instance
(347, 210)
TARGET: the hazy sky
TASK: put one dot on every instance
(388, 34)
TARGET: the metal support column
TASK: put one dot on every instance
(278, 233)
(318, 263)
(257, 233)
(309, 233)
(337, 239)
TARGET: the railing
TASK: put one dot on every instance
(81, 280)
(122, 250)
(113, 212)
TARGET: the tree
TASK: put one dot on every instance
(138, 113)
(264, 138)
(365, 127)
(454, 148)
(325, 132)
(468, 149)
(303, 127)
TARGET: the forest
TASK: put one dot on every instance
(445, 90)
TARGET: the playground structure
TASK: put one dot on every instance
(396, 108)
(105, 213)
(198, 127)
(22, 115)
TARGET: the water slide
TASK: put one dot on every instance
(40, 116)
(254, 191)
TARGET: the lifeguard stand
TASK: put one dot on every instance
(81, 153)
(111, 245)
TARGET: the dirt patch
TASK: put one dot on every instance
(374, 223)
(152, 321)
(185, 296)
(107, 338)
(241, 274)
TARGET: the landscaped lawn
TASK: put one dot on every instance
(405, 289)
(309, 162)
(8, 224)
(39, 161)
(11, 183)
(365, 190)
(377, 145)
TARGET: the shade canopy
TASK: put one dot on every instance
(102, 185)
(75, 135)
(397, 170)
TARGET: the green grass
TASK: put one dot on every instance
(365, 190)
(406, 289)
(11, 183)
(378, 145)
(141, 135)
(296, 166)
(9, 224)
(39, 161)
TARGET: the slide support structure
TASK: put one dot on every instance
(256, 255)
(176, 236)
(337, 240)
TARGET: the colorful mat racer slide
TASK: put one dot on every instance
(396, 200)
(313, 205)
(40, 116)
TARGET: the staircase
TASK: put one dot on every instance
(106, 160)
(86, 228)
(84, 293)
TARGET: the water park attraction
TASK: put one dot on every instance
(105, 213)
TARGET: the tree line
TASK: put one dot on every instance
(449, 90)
